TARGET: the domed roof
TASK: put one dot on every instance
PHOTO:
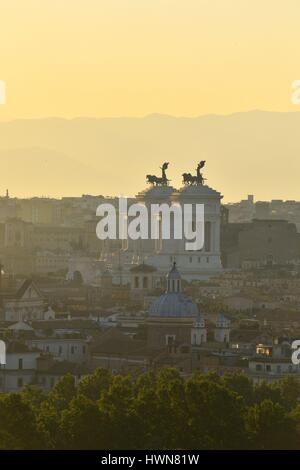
(173, 304)
(198, 190)
(222, 321)
(156, 192)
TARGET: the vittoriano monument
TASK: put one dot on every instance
(188, 178)
(160, 251)
(198, 179)
(159, 181)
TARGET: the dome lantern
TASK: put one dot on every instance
(173, 303)
(174, 280)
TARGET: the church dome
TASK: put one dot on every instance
(173, 303)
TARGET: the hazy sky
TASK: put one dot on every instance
(134, 57)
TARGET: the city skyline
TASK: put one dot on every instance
(246, 153)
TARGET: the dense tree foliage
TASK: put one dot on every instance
(153, 411)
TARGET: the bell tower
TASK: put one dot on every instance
(198, 331)
(222, 329)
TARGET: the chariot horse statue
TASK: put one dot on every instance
(159, 181)
(198, 179)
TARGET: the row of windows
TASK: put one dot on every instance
(268, 368)
(20, 382)
(73, 349)
(199, 259)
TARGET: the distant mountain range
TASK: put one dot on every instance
(254, 152)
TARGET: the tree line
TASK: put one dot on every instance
(158, 410)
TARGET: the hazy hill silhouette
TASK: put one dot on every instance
(245, 152)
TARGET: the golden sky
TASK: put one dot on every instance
(134, 57)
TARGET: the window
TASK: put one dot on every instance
(170, 339)
(20, 364)
(258, 367)
(83, 349)
(136, 282)
(268, 368)
(207, 236)
(72, 349)
(20, 382)
(145, 282)
(60, 350)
